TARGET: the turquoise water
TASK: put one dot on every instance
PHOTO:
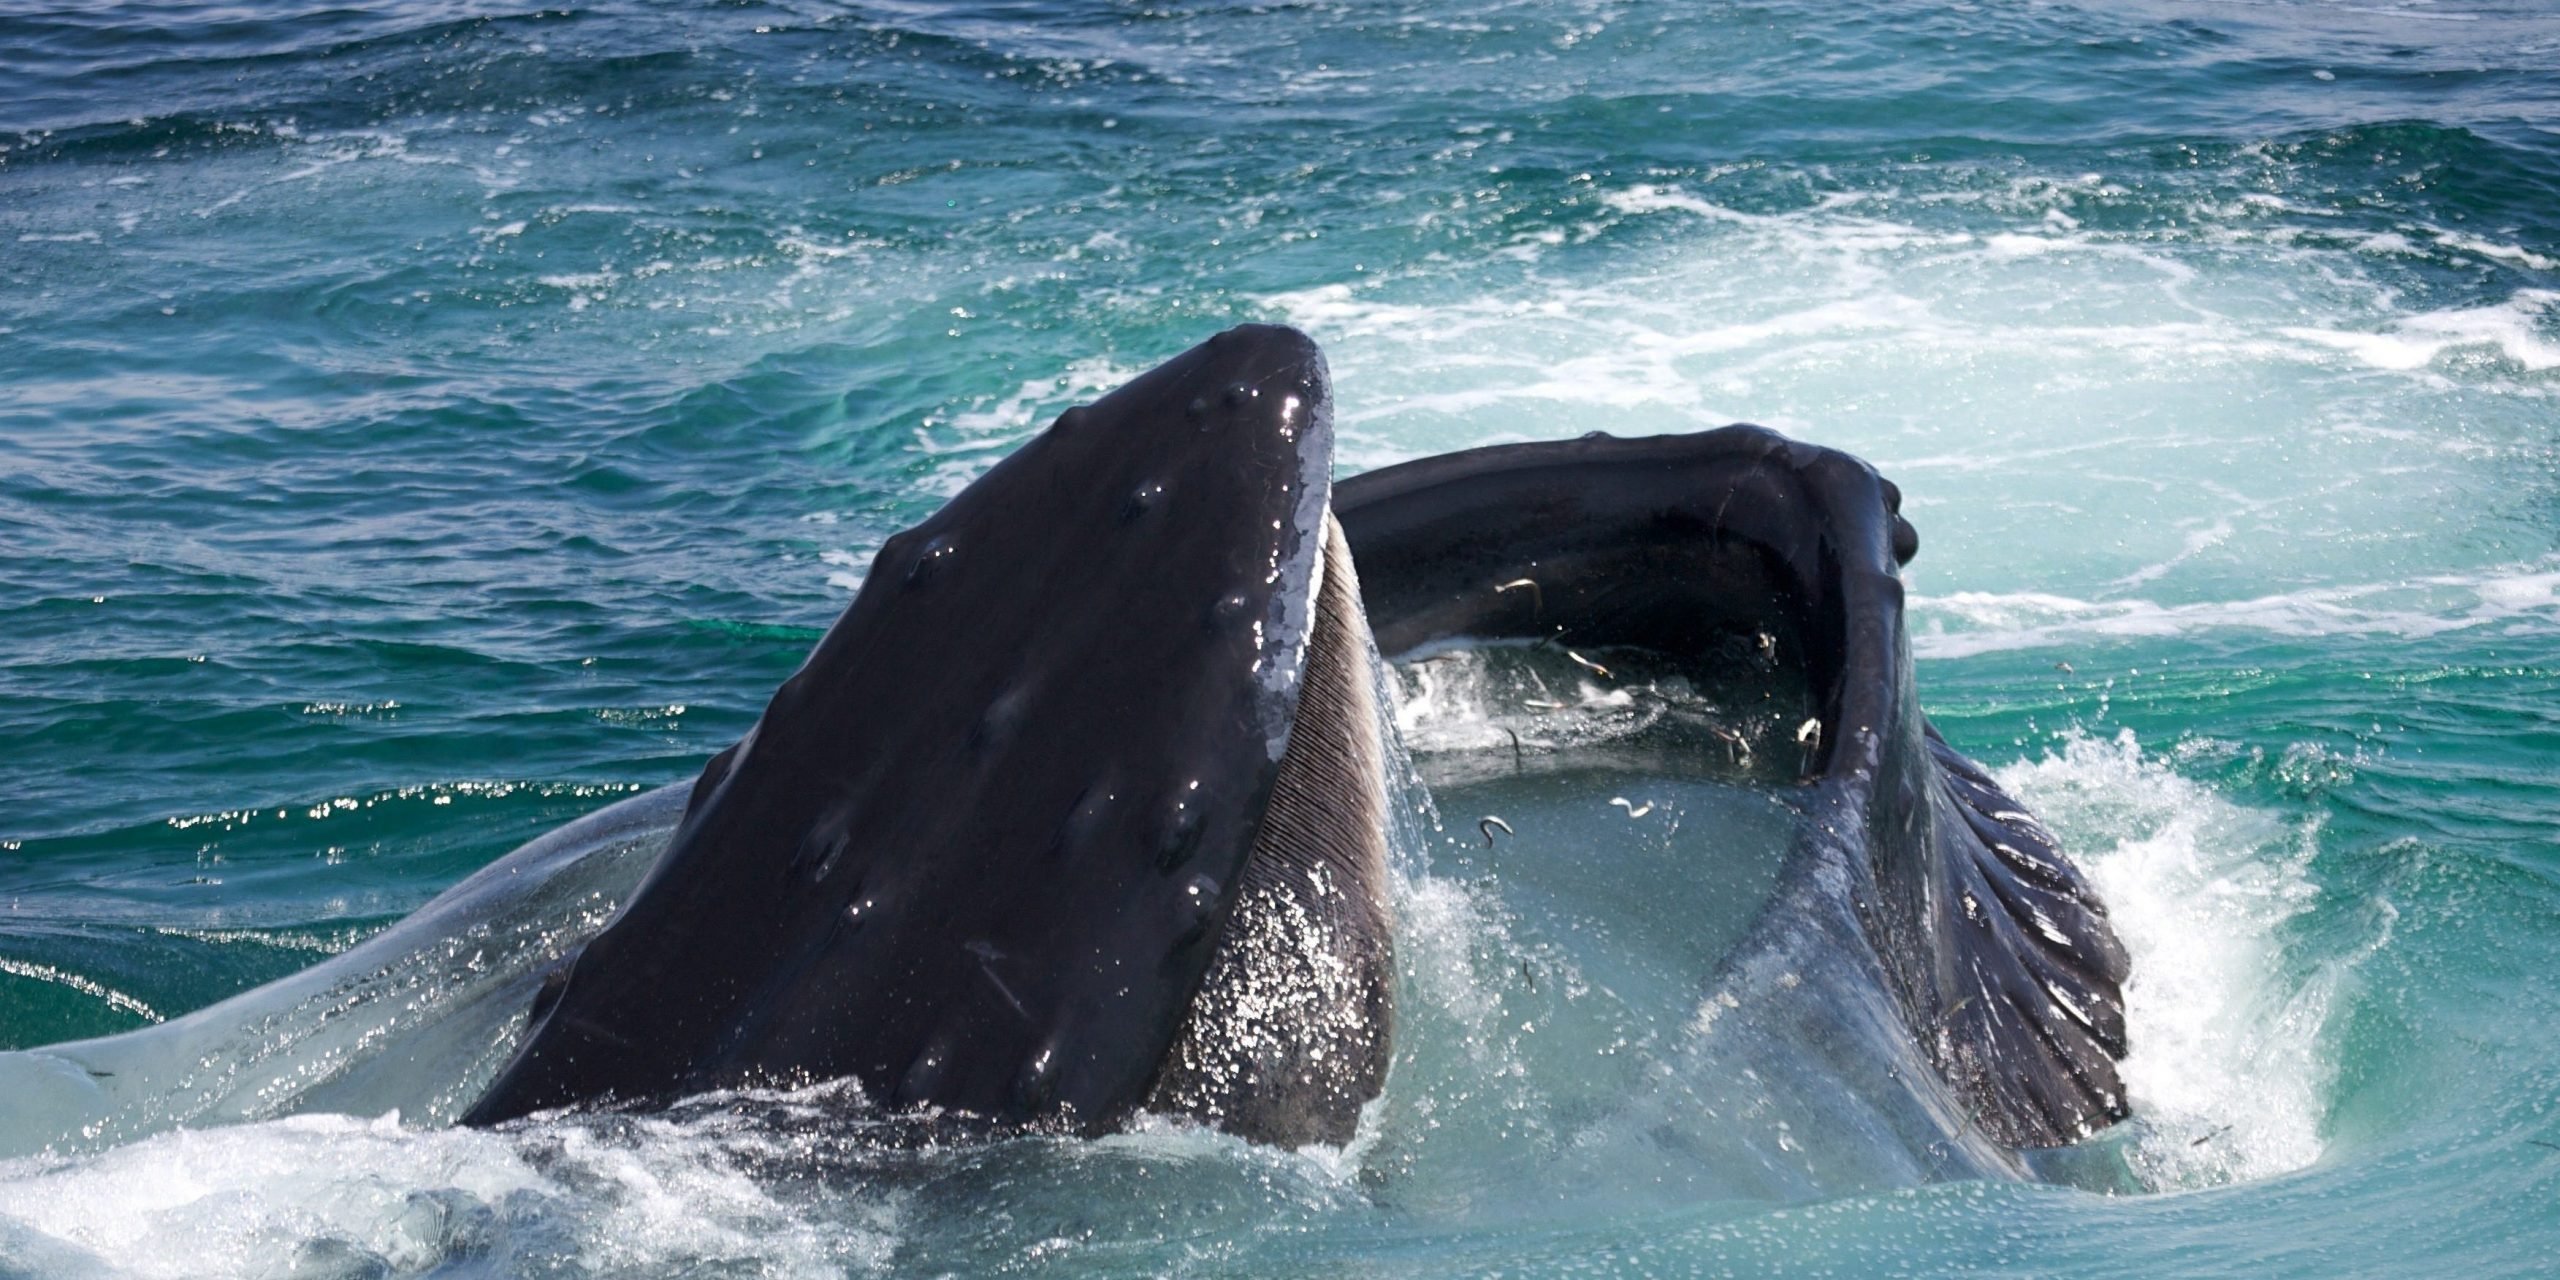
(424, 423)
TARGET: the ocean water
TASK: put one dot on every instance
(424, 423)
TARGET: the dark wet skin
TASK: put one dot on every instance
(979, 851)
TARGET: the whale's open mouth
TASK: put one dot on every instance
(1704, 550)
(1727, 557)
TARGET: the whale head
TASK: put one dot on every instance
(1090, 761)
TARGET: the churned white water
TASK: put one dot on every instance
(339, 1196)
(2228, 1074)
(2119, 425)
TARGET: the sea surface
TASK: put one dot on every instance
(422, 423)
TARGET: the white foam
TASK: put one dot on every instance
(2198, 541)
(1965, 623)
(1013, 414)
(1991, 323)
(2227, 1074)
(849, 566)
(645, 1196)
(2492, 249)
(964, 442)
(2122, 414)
(2517, 330)
(1648, 198)
(604, 279)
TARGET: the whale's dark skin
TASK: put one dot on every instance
(981, 851)
(2000, 953)
(1078, 810)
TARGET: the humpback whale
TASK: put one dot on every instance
(1079, 809)
(1076, 809)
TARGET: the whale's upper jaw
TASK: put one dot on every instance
(978, 851)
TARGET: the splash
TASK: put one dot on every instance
(2227, 1075)
(343, 1196)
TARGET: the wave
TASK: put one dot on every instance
(2229, 1073)
(1966, 623)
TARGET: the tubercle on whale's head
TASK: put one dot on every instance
(1250, 411)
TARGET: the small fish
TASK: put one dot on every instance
(1537, 598)
(1633, 810)
(1485, 827)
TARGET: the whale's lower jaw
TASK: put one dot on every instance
(1291, 1031)
(1997, 951)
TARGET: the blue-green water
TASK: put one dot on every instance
(423, 422)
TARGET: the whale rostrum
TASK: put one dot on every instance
(1075, 809)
